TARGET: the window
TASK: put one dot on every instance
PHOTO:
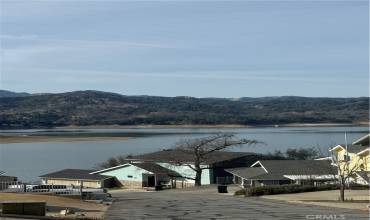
(129, 176)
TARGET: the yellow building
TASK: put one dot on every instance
(356, 157)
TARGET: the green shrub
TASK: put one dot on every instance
(283, 189)
(239, 192)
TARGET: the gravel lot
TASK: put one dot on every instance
(205, 203)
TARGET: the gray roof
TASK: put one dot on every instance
(76, 174)
(299, 167)
(357, 148)
(157, 169)
(276, 169)
(363, 140)
(364, 175)
(8, 178)
(247, 172)
(354, 148)
(176, 155)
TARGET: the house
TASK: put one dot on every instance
(5, 181)
(77, 178)
(278, 172)
(213, 165)
(142, 174)
(357, 155)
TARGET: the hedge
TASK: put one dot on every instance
(282, 189)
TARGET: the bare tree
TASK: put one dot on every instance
(202, 148)
(346, 170)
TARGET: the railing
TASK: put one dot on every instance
(12, 186)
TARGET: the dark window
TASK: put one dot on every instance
(129, 176)
(347, 158)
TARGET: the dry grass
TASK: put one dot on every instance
(355, 199)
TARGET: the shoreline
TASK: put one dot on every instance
(215, 126)
(67, 137)
(150, 126)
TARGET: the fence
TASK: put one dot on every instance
(12, 186)
(16, 186)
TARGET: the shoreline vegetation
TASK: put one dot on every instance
(67, 137)
(215, 126)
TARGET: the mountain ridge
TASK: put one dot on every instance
(91, 107)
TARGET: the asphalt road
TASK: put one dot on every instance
(206, 204)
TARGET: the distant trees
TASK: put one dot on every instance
(114, 161)
(296, 154)
(302, 153)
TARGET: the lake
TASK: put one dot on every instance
(29, 160)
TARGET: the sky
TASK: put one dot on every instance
(187, 48)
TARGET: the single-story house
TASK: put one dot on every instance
(142, 174)
(213, 165)
(4, 178)
(77, 178)
(277, 172)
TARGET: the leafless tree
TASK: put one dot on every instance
(202, 148)
(346, 170)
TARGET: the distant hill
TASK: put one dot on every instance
(102, 108)
(6, 93)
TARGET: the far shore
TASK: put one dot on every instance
(151, 126)
(31, 139)
(215, 126)
(11, 138)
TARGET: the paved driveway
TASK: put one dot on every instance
(206, 204)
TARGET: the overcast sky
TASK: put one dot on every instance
(201, 49)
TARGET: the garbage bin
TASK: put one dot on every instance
(222, 188)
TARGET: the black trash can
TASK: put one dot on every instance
(222, 188)
(158, 187)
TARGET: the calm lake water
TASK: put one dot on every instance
(29, 160)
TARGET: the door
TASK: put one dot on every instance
(151, 181)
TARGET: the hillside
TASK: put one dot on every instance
(6, 93)
(102, 108)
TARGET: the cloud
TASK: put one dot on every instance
(86, 43)
(31, 50)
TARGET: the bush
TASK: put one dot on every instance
(282, 189)
(239, 192)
